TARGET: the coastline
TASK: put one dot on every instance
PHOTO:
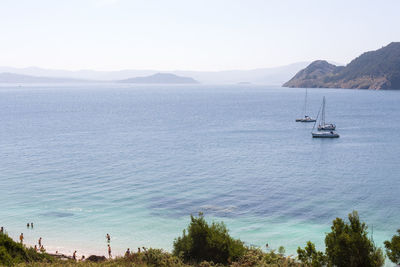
(273, 233)
(200, 245)
(58, 249)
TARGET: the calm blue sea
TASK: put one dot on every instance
(135, 161)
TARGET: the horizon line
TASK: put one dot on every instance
(160, 70)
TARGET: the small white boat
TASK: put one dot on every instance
(306, 118)
(325, 134)
(323, 126)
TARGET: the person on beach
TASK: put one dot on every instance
(40, 242)
(32, 225)
(21, 238)
(2, 230)
(27, 225)
(127, 253)
(83, 258)
(42, 249)
(138, 250)
(35, 248)
(108, 238)
(74, 256)
(109, 252)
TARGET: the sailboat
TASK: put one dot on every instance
(323, 126)
(324, 130)
(306, 117)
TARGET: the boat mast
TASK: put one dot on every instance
(323, 112)
(319, 111)
(305, 105)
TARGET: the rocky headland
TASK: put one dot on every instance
(377, 70)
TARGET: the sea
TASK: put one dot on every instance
(135, 161)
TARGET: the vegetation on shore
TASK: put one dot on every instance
(393, 248)
(210, 245)
(204, 242)
(12, 253)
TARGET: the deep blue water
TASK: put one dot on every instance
(135, 162)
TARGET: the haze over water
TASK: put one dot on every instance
(135, 162)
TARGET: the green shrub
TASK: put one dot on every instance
(281, 250)
(5, 258)
(309, 256)
(255, 257)
(393, 248)
(349, 246)
(158, 257)
(204, 242)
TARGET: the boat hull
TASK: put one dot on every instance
(325, 135)
(305, 120)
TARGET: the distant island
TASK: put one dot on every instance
(244, 83)
(158, 78)
(377, 70)
(161, 78)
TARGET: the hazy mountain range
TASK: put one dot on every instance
(270, 76)
(7, 77)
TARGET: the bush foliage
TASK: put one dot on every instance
(393, 248)
(204, 242)
(349, 245)
(309, 256)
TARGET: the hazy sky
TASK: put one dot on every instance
(191, 34)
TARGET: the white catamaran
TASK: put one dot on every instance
(306, 117)
(324, 130)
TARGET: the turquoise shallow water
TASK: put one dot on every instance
(86, 160)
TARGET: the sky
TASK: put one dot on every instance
(191, 34)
